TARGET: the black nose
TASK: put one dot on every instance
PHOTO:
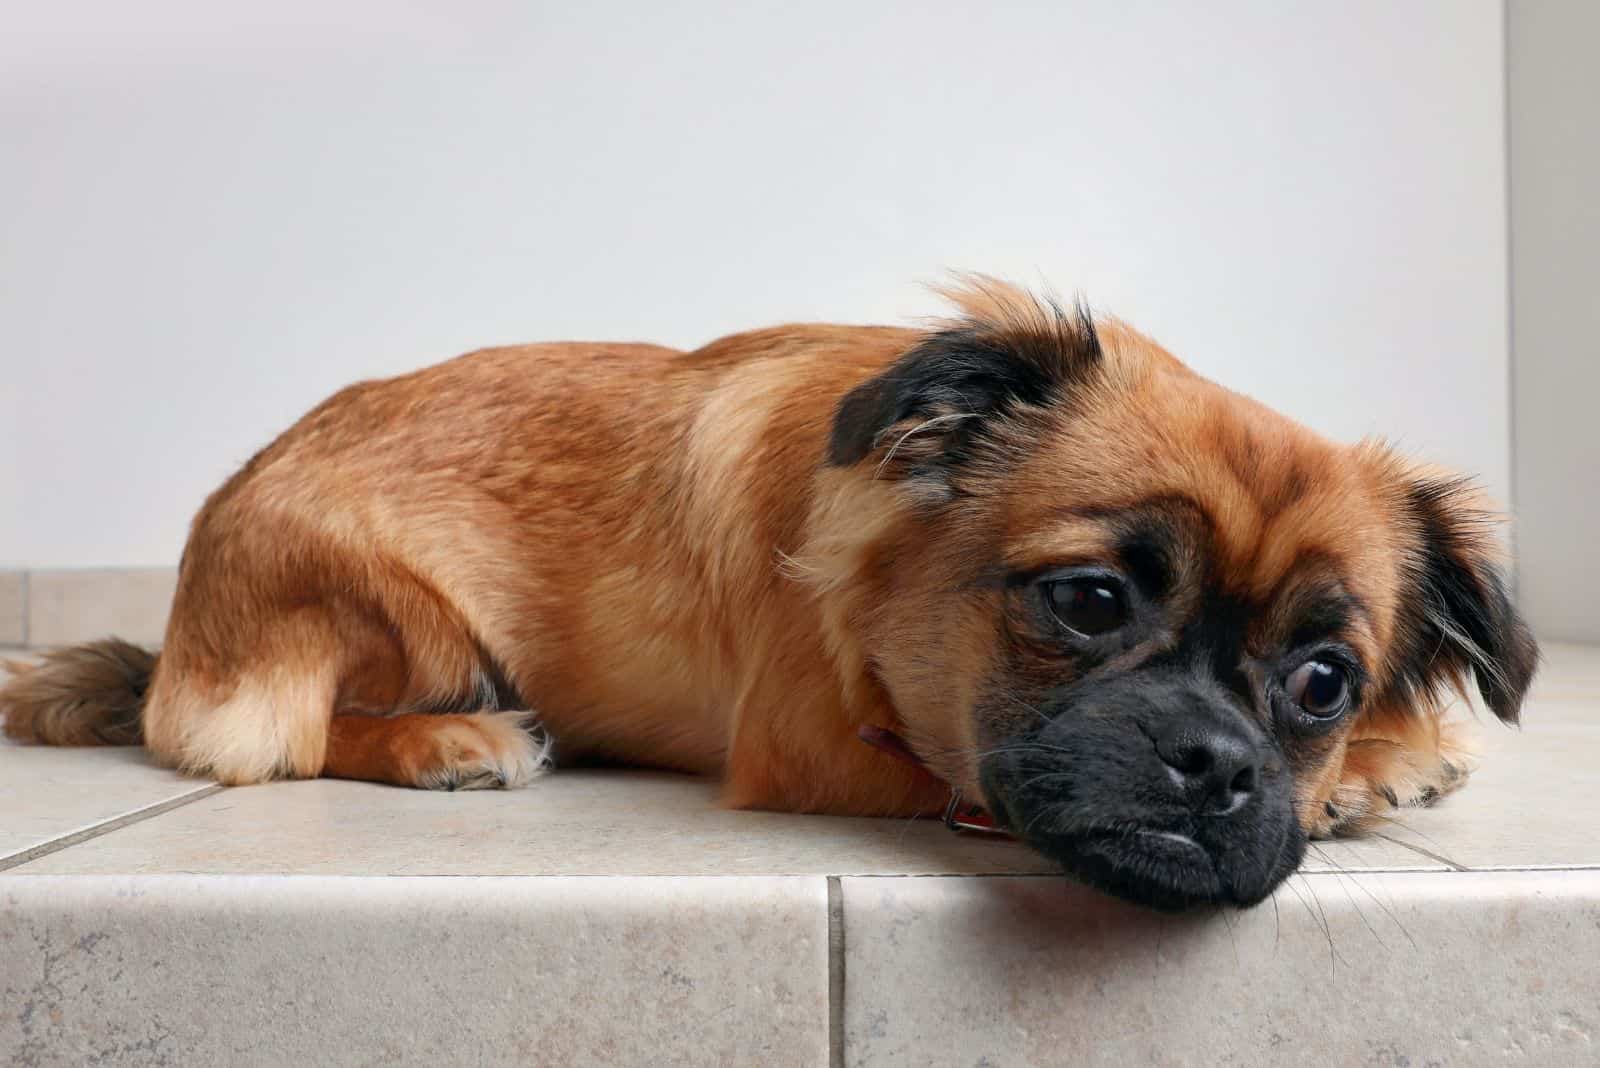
(1214, 764)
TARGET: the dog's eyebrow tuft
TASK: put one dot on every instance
(1325, 615)
(1147, 551)
(1174, 509)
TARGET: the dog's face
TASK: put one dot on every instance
(1142, 614)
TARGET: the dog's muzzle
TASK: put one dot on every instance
(1163, 793)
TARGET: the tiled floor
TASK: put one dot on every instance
(622, 917)
(51, 798)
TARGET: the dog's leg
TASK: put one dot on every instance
(265, 719)
(1393, 761)
(272, 632)
(437, 751)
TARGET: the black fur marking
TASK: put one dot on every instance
(493, 692)
(971, 373)
(1325, 617)
(1213, 642)
(1147, 552)
(506, 697)
(1460, 618)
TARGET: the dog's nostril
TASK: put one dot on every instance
(1185, 757)
(1217, 769)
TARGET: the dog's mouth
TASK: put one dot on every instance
(1169, 868)
(1165, 870)
(1093, 793)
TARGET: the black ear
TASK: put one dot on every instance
(949, 388)
(1462, 619)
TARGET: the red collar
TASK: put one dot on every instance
(958, 815)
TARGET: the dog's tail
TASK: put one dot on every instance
(84, 695)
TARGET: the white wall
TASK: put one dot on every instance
(1555, 241)
(214, 219)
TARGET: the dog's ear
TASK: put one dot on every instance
(949, 391)
(1459, 617)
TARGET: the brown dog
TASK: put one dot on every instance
(1165, 633)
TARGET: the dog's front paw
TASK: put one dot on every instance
(1381, 776)
(482, 751)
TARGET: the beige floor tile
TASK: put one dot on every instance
(47, 794)
(1394, 969)
(79, 606)
(275, 971)
(568, 823)
(600, 822)
(1534, 799)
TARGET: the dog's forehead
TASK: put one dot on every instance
(1276, 510)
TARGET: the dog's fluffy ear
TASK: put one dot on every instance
(1460, 621)
(1009, 351)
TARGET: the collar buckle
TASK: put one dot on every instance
(960, 817)
(969, 818)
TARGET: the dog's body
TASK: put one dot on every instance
(729, 561)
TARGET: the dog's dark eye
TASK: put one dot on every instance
(1090, 605)
(1321, 688)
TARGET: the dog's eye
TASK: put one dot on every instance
(1090, 605)
(1321, 688)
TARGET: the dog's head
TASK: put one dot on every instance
(1139, 612)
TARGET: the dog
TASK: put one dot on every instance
(1162, 634)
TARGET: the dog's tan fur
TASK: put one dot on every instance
(645, 547)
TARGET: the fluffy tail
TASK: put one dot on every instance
(85, 695)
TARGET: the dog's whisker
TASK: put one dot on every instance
(1024, 705)
(1374, 897)
(1277, 922)
(1334, 956)
(1403, 825)
(1222, 910)
(1320, 923)
(1044, 776)
(1340, 875)
(1002, 750)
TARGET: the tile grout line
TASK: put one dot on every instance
(835, 972)
(138, 815)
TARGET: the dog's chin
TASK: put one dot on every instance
(1172, 871)
(1169, 871)
(1158, 869)
(1143, 867)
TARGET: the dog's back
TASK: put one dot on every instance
(545, 528)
